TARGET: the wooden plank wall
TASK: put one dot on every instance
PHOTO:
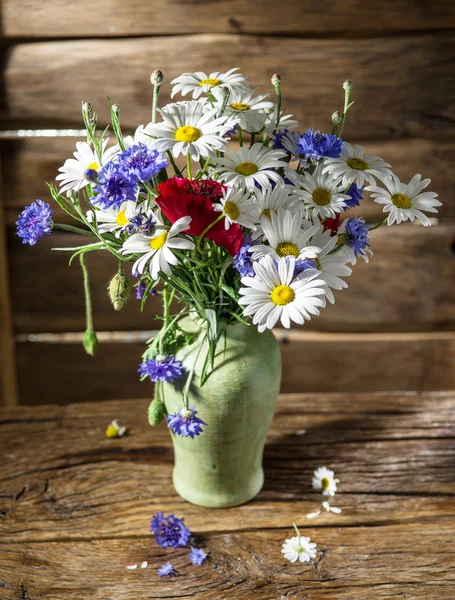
(392, 329)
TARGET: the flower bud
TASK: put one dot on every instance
(347, 85)
(276, 80)
(119, 290)
(115, 108)
(156, 412)
(90, 342)
(86, 107)
(337, 117)
(157, 77)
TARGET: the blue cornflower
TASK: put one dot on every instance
(137, 224)
(115, 186)
(142, 163)
(355, 194)
(185, 422)
(34, 222)
(355, 235)
(302, 264)
(161, 368)
(197, 556)
(319, 145)
(278, 140)
(169, 531)
(243, 261)
(166, 570)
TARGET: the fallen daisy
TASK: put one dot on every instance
(329, 508)
(131, 567)
(115, 430)
(299, 548)
(144, 564)
(300, 432)
(313, 515)
(324, 480)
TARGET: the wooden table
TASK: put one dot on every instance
(75, 506)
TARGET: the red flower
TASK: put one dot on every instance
(184, 197)
(333, 224)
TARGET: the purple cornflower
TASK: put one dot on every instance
(161, 368)
(115, 186)
(355, 235)
(166, 570)
(243, 261)
(142, 163)
(318, 145)
(197, 556)
(355, 194)
(169, 531)
(34, 222)
(185, 422)
(142, 224)
(140, 290)
(278, 140)
(303, 264)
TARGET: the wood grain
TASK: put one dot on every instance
(28, 163)
(407, 286)
(57, 373)
(74, 514)
(112, 18)
(8, 386)
(394, 97)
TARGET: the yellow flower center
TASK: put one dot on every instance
(231, 210)
(401, 201)
(94, 165)
(287, 249)
(357, 163)
(267, 213)
(325, 483)
(246, 168)
(187, 134)
(121, 218)
(321, 196)
(213, 82)
(112, 431)
(158, 242)
(239, 106)
(340, 239)
(282, 294)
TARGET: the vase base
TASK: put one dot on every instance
(219, 498)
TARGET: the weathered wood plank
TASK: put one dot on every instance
(407, 286)
(42, 81)
(76, 513)
(107, 18)
(86, 486)
(28, 163)
(8, 387)
(357, 564)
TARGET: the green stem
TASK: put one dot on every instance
(296, 530)
(74, 229)
(177, 171)
(87, 295)
(156, 93)
(198, 243)
(188, 165)
(189, 379)
(253, 136)
(240, 136)
(383, 222)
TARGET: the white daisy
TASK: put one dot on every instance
(285, 237)
(238, 207)
(286, 121)
(114, 219)
(72, 173)
(273, 295)
(324, 480)
(200, 83)
(158, 248)
(354, 166)
(249, 166)
(299, 548)
(279, 198)
(330, 266)
(188, 129)
(140, 137)
(405, 201)
(289, 141)
(321, 194)
(245, 109)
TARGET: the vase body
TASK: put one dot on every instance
(222, 467)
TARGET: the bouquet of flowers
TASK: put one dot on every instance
(251, 233)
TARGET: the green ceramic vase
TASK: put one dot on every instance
(222, 467)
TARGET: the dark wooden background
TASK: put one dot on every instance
(393, 329)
